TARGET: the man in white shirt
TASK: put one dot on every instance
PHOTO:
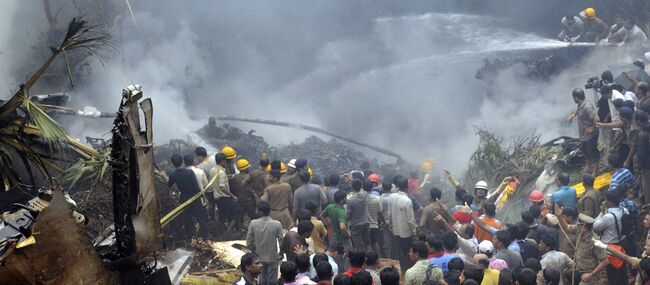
(631, 33)
(572, 28)
(201, 178)
(402, 221)
(206, 163)
(551, 258)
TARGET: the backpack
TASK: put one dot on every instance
(526, 250)
(430, 271)
(627, 225)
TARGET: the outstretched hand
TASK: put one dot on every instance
(600, 244)
(299, 249)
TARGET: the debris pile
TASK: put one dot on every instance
(328, 156)
(524, 158)
(248, 145)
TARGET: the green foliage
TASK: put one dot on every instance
(82, 171)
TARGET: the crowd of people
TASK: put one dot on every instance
(342, 229)
(585, 26)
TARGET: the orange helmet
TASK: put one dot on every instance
(536, 196)
(374, 178)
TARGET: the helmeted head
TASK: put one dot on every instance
(426, 166)
(242, 164)
(480, 189)
(229, 152)
(536, 196)
(374, 178)
(291, 166)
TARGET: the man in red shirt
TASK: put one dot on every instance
(357, 258)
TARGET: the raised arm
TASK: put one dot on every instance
(451, 178)
(493, 197)
(451, 219)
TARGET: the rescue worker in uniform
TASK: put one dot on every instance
(293, 180)
(280, 197)
(258, 176)
(240, 185)
(594, 28)
(230, 155)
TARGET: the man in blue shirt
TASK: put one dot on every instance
(621, 175)
(442, 258)
(564, 194)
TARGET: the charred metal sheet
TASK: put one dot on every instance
(62, 253)
(135, 206)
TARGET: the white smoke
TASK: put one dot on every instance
(398, 78)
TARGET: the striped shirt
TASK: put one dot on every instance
(374, 208)
(623, 176)
(263, 237)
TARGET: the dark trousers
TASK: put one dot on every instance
(248, 210)
(387, 243)
(228, 209)
(616, 275)
(360, 236)
(194, 211)
(211, 205)
(269, 274)
(402, 246)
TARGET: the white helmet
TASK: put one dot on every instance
(292, 163)
(481, 185)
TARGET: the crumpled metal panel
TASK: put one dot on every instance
(135, 206)
(62, 253)
(145, 221)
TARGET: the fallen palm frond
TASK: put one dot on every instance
(31, 132)
(79, 35)
(49, 129)
(92, 169)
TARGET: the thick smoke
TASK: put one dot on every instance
(398, 77)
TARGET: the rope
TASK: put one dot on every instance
(174, 213)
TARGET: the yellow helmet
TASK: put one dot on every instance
(426, 166)
(243, 164)
(311, 172)
(229, 152)
(590, 12)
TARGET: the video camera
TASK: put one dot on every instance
(594, 82)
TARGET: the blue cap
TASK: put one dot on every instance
(626, 112)
(301, 163)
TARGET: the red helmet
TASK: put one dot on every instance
(536, 196)
(374, 178)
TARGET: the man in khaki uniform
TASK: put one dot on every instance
(240, 186)
(428, 225)
(294, 180)
(590, 260)
(590, 202)
(280, 198)
(258, 177)
(226, 201)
